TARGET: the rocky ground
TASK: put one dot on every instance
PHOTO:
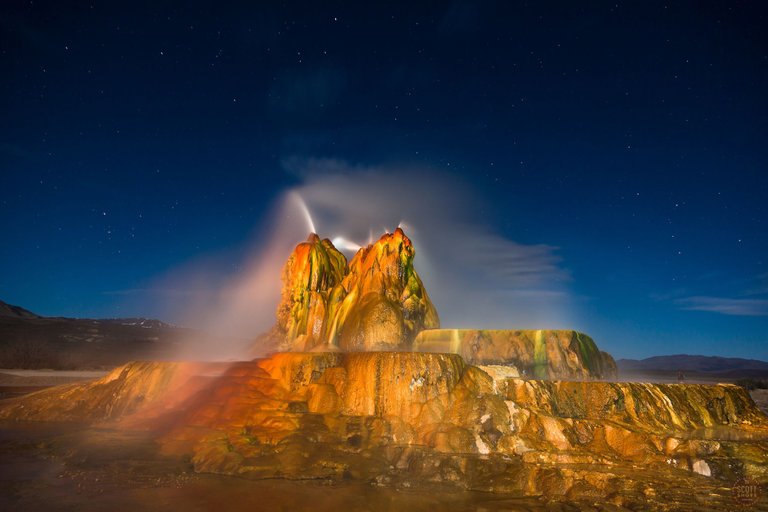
(358, 415)
(419, 427)
(13, 377)
(20, 382)
(63, 467)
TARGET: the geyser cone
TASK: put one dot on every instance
(387, 304)
(377, 303)
(310, 276)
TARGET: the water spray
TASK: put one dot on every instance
(303, 206)
(344, 244)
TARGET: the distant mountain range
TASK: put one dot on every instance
(33, 341)
(28, 340)
(12, 311)
(693, 365)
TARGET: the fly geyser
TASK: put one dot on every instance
(377, 302)
(363, 385)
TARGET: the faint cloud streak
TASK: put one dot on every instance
(725, 305)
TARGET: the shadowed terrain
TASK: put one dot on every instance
(31, 341)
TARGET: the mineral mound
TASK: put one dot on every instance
(367, 388)
(377, 302)
(411, 419)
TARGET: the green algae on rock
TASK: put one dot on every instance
(311, 279)
(541, 354)
(377, 302)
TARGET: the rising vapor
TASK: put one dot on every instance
(475, 277)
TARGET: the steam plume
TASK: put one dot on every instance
(475, 276)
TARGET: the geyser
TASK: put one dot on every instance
(304, 210)
(346, 245)
(482, 412)
(376, 302)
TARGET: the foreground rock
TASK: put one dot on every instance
(378, 302)
(541, 354)
(411, 419)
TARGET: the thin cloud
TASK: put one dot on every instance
(759, 286)
(161, 292)
(725, 305)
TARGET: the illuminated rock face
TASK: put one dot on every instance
(311, 280)
(386, 303)
(540, 354)
(430, 417)
(139, 385)
(478, 409)
(378, 302)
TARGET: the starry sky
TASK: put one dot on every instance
(626, 140)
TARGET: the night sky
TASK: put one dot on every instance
(629, 138)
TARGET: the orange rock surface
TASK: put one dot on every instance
(540, 354)
(378, 302)
(311, 279)
(494, 410)
(414, 415)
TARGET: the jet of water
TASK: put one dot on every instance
(303, 207)
(345, 245)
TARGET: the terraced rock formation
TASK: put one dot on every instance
(367, 388)
(415, 418)
(540, 354)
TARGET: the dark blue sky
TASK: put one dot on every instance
(631, 136)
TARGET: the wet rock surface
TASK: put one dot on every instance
(68, 467)
(539, 354)
(376, 302)
(311, 285)
(413, 420)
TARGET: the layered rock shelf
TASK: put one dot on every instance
(407, 417)
(541, 354)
